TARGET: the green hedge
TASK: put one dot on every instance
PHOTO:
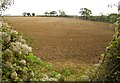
(109, 69)
(18, 61)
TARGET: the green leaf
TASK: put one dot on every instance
(32, 58)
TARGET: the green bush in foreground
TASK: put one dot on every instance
(18, 61)
(109, 68)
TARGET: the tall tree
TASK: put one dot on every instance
(46, 13)
(33, 14)
(53, 13)
(62, 13)
(85, 12)
(28, 14)
(5, 3)
(24, 13)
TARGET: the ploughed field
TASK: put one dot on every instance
(64, 42)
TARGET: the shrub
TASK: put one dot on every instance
(109, 69)
(18, 61)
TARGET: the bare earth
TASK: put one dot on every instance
(64, 41)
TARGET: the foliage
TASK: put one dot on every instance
(5, 3)
(62, 13)
(19, 63)
(28, 14)
(112, 17)
(33, 14)
(102, 18)
(52, 13)
(32, 58)
(85, 12)
(109, 69)
(24, 13)
(46, 13)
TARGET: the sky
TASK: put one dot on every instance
(71, 7)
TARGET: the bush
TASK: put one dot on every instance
(18, 61)
(109, 69)
(113, 17)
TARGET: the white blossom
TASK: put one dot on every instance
(8, 64)
(32, 73)
(5, 37)
(58, 76)
(20, 79)
(45, 78)
(42, 79)
(8, 52)
(13, 32)
(26, 49)
(31, 79)
(18, 67)
(97, 65)
(20, 39)
(16, 46)
(19, 47)
(107, 48)
(25, 69)
(23, 62)
(1, 33)
(53, 79)
(85, 78)
(14, 75)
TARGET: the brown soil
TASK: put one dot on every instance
(65, 41)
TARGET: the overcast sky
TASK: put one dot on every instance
(71, 7)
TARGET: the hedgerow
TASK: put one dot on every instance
(109, 66)
(18, 61)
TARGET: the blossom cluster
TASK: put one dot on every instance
(16, 66)
(20, 48)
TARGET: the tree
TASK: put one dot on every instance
(102, 18)
(5, 3)
(28, 14)
(24, 13)
(53, 13)
(119, 6)
(85, 12)
(46, 13)
(33, 14)
(112, 17)
(62, 13)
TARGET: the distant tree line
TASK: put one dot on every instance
(54, 13)
(28, 14)
(102, 18)
(85, 14)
